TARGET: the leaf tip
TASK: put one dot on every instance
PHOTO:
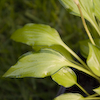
(5, 75)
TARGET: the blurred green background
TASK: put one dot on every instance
(15, 14)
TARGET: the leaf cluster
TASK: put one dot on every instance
(52, 57)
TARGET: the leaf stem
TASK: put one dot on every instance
(94, 98)
(75, 55)
(85, 71)
(94, 95)
(84, 23)
(82, 89)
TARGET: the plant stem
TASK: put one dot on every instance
(85, 71)
(84, 23)
(94, 95)
(82, 89)
(95, 98)
(75, 55)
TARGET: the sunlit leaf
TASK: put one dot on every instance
(69, 4)
(58, 48)
(93, 59)
(65, 77)
(97, 90)
(37, 35)
(87, 7)
(97, 8)
(70, 96)
(40, 36)
(84, 48)
(41, 64)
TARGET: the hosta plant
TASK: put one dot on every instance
(52, 57)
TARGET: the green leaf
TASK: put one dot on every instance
(69, 4)
(70, 96)
(97, 90)
(41, 64)
(97, 8)
(40, 36)
(87, 7)
(58, 48)
(63, 51)
(84, 48)
(37, 35)
(93, 59)
(65, 77)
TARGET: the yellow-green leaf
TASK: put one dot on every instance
(97, 8)
(40, 36)
(40, 64)
(93, 59)
(87, 7)
(65, 77)
(84, 48)
(58, 48)
(37, 35)
(70, 96)
(97, 90)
